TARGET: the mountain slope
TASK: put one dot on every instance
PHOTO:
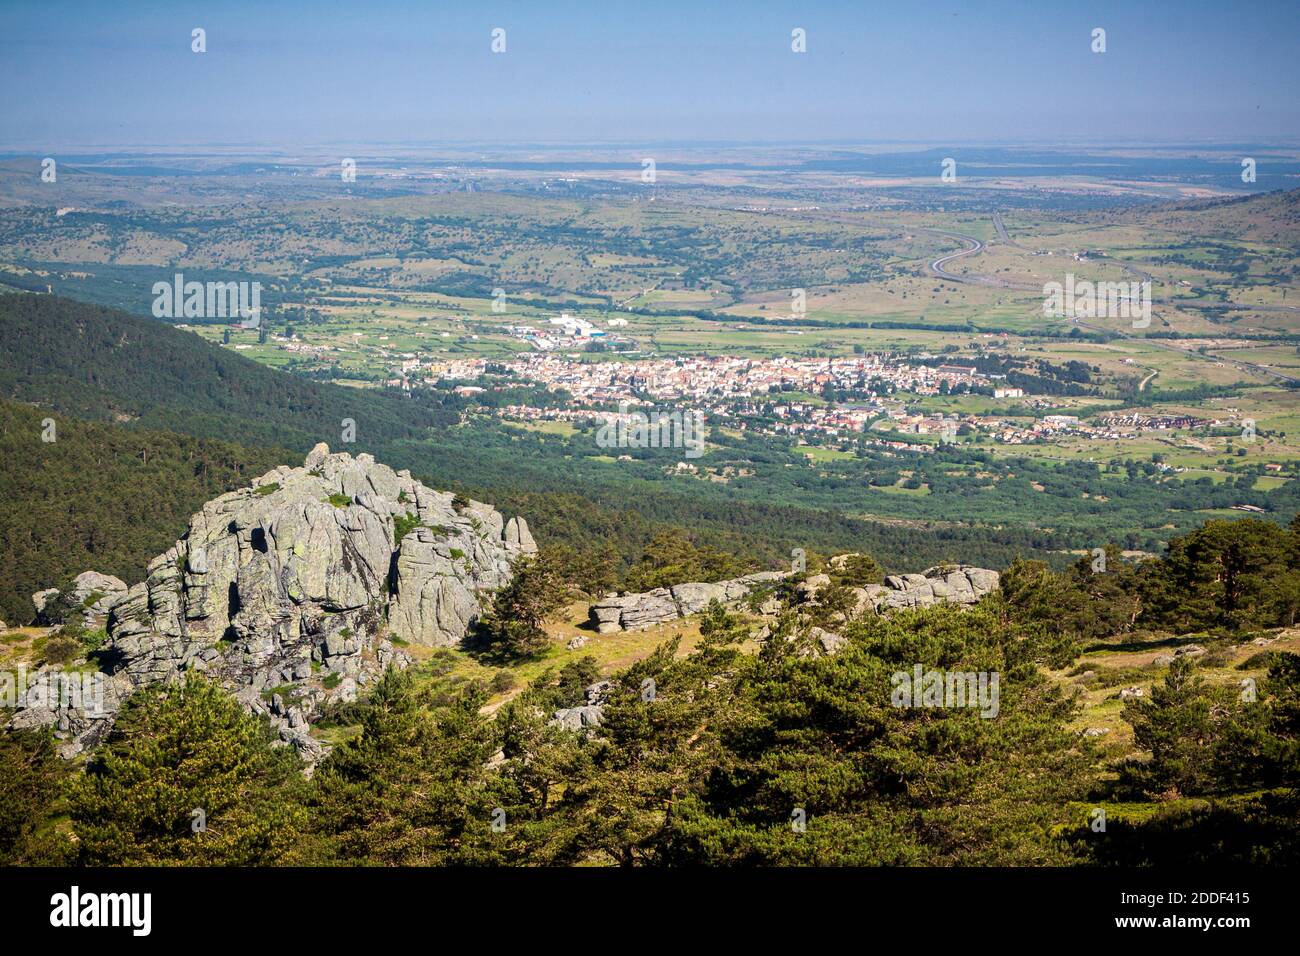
(103, 364)
(114, 368)
(100, 497)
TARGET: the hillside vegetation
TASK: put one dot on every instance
(759, 750)
(100, 497)
(140, 382)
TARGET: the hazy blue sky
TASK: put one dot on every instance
(291, 73)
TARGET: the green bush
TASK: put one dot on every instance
(61, 649)
(404, 525)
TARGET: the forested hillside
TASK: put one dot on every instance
(145, 384)
(759, 750)
(106, 365)
(100, 497)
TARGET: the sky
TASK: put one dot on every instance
(290, 73)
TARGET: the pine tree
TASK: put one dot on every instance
(1177, 725)
(514, 624)
(410, 789)
(31, 773)
(186, 777)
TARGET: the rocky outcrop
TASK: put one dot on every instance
(587, 714)
(636, 612)
(79, 707)
(91, 597)
(953, 585)
(42, 599)
(287, 590)
(444, 566)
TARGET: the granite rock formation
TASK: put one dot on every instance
(287, 591)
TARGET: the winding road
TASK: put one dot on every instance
(976, 245)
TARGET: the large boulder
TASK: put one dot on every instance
(298, 577)
(97, 593)
(636, 612)
(436, 600)
(42, 599)
(653, 607)
(954, 585)
(588, 714)
(693, 598)
(90, 598)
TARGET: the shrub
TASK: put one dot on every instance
(513, 623)
(404, 525)
(94, 640)
(856, 570)
(61, 649)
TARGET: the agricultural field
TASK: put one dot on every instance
(421, 272)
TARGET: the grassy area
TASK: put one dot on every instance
(1102, 672)
(563, 429)
(612, 652)
(820, 453)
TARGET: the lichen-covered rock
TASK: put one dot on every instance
(42, 598)
(808, 588)
(830, 642)
(693, 598)
(298, 576)
(588, 714)
(267, 564)
(959, 585)
(630, 612)
(654, 607)
(518, 536)
(90, 598)
(435, 603)
(577, 718)
(445, 566)
(635, 612)
(78, 707)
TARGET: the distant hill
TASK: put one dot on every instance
(103, 364)
(1266, 217)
